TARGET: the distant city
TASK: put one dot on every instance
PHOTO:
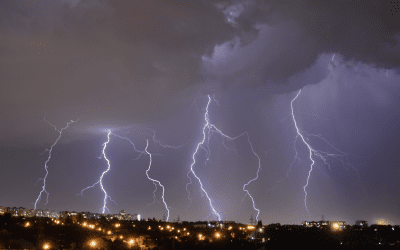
(22, 228)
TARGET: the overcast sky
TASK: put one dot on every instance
(304, 79)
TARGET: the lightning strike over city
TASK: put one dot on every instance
(100, 181)
(250, 115)
(208, 130)
(46, 167)
(155, 182)
(314, 152)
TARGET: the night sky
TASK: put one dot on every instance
(147, 70)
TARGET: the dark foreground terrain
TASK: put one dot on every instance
(79, 233)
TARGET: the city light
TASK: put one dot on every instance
(93, 243)
(46, 246)
(336, 226)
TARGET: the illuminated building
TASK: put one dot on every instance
(200, 224)
(336, 225)
(383, 221)
(361, 223)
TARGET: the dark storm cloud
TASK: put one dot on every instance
(95, 55)
(302, 30)
(146, 56)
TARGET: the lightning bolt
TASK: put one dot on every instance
(313, 152)
(155, 182)
(208, 130)
(144, 152)
(45, 164)
(138, 151)
(164, 146)
(100, 181)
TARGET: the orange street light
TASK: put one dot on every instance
(130, 243)
(46, 246)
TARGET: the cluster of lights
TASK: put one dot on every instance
(201, 237)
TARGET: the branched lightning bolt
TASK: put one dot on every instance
(45, 165)
(318, 153)
(138, 151)
(258, 170)
(100, 181)
(141, 152)
(155, 182)
(208, 130)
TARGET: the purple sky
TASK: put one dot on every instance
(135, 67)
